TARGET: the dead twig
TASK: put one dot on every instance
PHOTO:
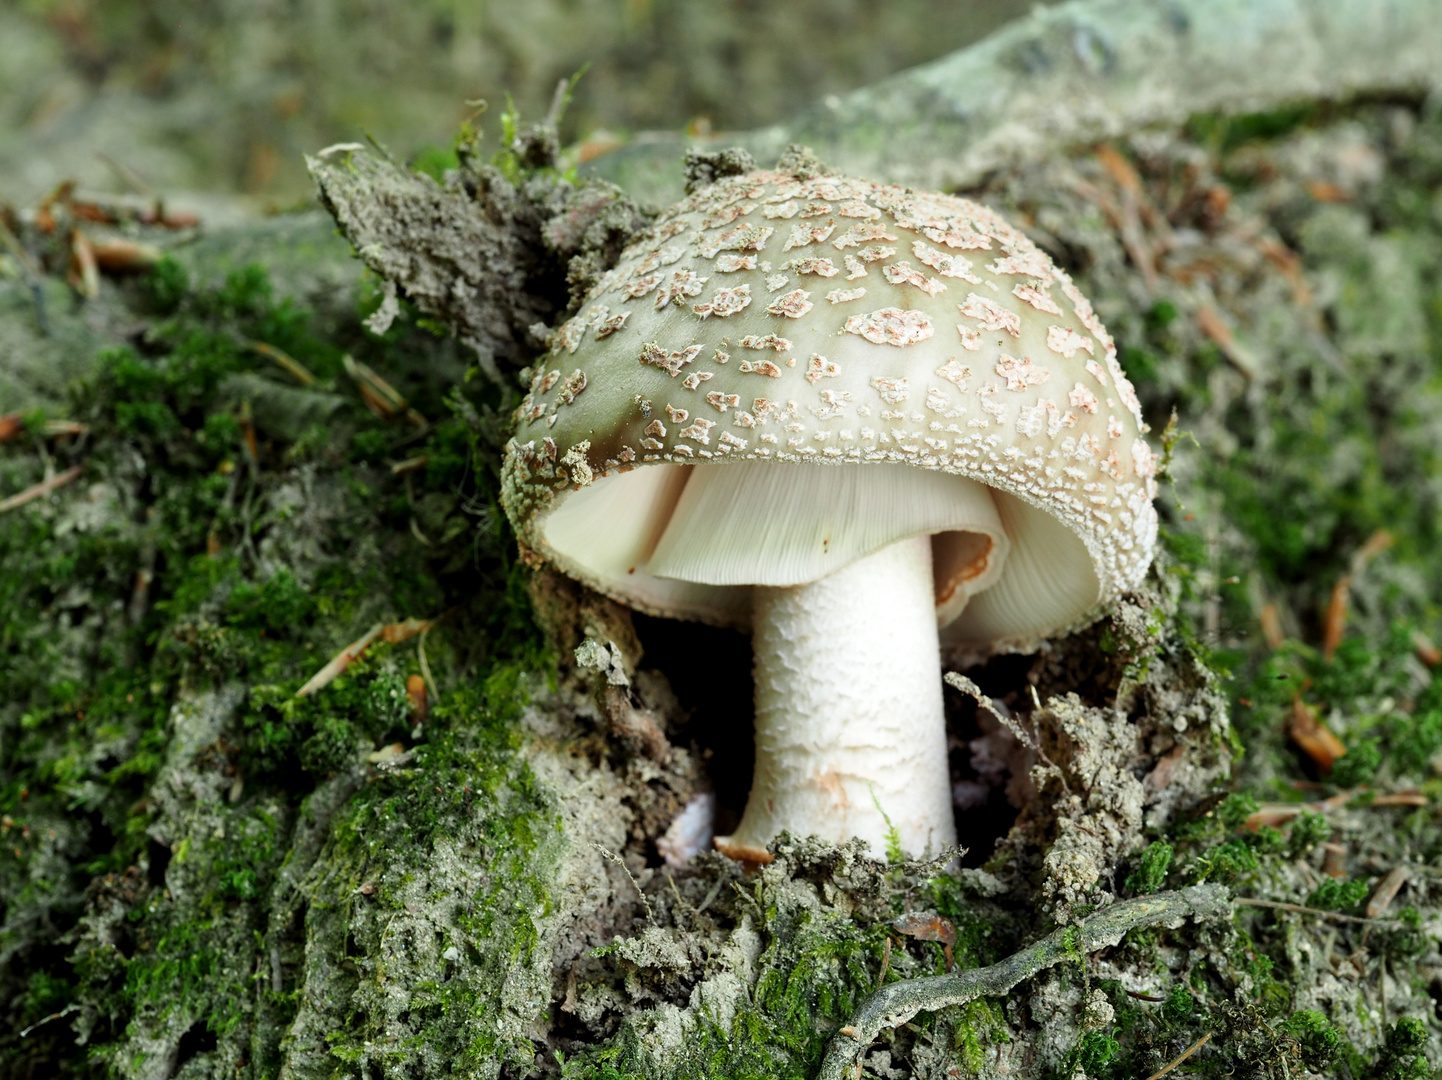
(1188, 1052)
(1298, 909)
(45, 487)
(53, 1016)
(391, 633)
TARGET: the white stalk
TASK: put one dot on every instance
(850, 732)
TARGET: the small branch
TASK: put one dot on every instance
(894, 1005)
(1188, 1052)
(1277, 905)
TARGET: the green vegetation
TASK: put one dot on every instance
(157, 619)
(194, 859)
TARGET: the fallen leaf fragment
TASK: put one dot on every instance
(1326, 192)
(928, 926)
(390, 757)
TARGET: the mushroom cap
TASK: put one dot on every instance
(828, 321)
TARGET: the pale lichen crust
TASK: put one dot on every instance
(725, 333)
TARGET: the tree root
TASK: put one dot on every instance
(893, 1005)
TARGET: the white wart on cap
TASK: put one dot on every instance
(836, 321)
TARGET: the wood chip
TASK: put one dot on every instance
(1386, 892)
(1427, 650)
(1335, 619)
(1272, 627)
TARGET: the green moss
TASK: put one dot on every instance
(1401, 1057)
(1335, 895)
(1151, 872)
(1320, 1042)
(94, 670)
(1222, 133)
(1094, 1054)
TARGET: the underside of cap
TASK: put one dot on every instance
(684, 541)
(765, 523)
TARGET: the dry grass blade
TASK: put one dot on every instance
(380, 397)
(292, 367)
(84, 269)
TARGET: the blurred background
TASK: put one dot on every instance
(224, 96)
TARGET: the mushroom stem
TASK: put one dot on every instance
(850, 732)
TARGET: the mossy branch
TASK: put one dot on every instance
(893, 1005)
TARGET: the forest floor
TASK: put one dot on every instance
(214, 477)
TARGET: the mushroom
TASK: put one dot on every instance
(863, 423)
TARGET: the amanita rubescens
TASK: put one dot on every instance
(844, 416)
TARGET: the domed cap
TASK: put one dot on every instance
(788, 372)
